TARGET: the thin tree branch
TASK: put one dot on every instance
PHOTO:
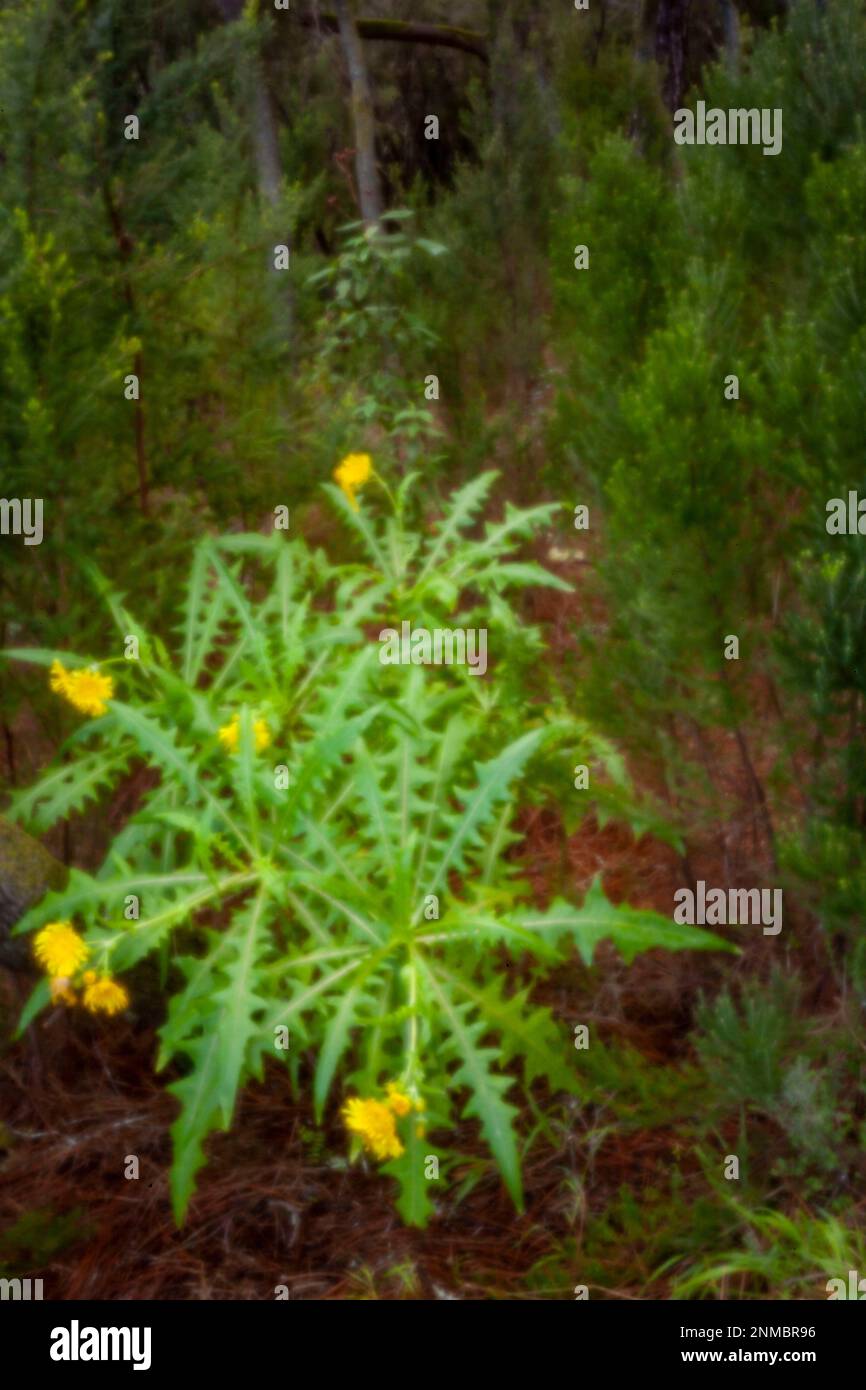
(400, 31)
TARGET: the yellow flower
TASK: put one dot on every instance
(104, 996)
(62, 992)
(397, 1099)
(86, 690)
(59, 677)
(374, 1123)
(59, 949)
(354, 471)
(230, 734)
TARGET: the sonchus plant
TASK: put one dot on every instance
(426, 574)
(324, 865)
(423, 911)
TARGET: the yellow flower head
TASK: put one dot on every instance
(354, 471)
(230, 734)
(374, 1124)
(397, 1099)
(62, 992)
(103, 996)
(59, 949)
(58, 677)
(86, 690)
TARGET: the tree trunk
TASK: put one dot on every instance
(663, 35)
(671, 44)
(731, 27)
(265, 141)
(270, 181)
(369, 189)
(269, 172)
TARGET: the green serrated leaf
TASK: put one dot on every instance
(630, 929)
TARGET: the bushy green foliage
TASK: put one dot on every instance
(373, 349)
(743, 1049)
(759, 1058)
(747, 266)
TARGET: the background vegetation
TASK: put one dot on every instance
(452, 258)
